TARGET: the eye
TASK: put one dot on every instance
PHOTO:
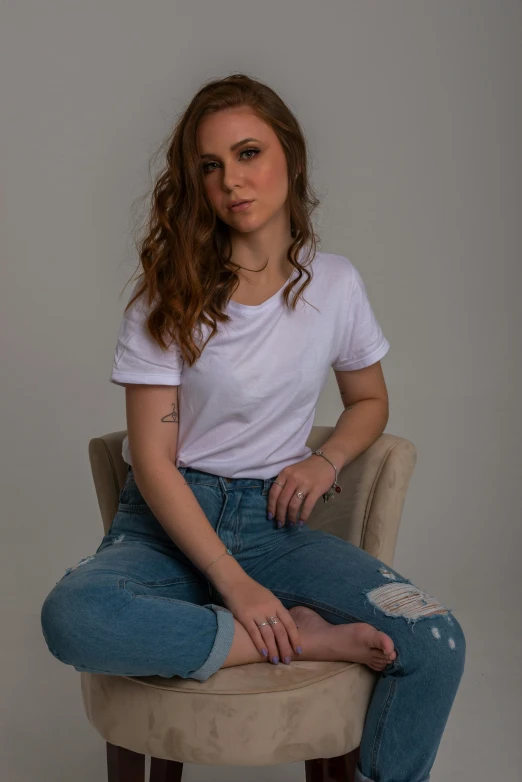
(250, 149)
(207, 170)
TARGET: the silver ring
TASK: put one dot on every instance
(301, 495)
(280, 484)
(273, 620)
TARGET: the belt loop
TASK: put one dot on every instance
(222, 482)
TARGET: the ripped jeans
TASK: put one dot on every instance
(139, 607)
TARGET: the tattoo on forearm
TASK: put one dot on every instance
(171, 417)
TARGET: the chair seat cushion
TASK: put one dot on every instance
(246, 715)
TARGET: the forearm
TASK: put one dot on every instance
(175, 506)
(358, 427)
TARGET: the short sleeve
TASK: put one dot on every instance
(362, 342)
(138, 358)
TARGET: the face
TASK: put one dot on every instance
(255, 170)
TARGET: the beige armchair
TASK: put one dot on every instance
(256, 714)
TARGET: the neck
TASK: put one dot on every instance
(262, 256)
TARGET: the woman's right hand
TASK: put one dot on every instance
(251, 603)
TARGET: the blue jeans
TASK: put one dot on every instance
(139, 607)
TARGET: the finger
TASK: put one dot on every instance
(273, 498)
(282, 503)
(291, 628)
(259, 641)
(283, 642)
(269, 641)
(306, 509)
(294, 508)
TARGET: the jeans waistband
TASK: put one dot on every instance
(195, 476)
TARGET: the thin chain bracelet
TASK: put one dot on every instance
(227, 551)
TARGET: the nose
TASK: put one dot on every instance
(231, 179)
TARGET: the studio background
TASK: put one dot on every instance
(412, 112)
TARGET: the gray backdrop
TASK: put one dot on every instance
(412, 111)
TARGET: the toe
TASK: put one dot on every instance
(386, 644)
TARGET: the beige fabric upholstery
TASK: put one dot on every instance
(258, 714)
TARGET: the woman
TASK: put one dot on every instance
(209, 561)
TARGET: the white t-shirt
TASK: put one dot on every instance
(246, 407)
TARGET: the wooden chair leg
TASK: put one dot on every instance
(124, 765)
(165, 770)
(338, 769)
(352, 759)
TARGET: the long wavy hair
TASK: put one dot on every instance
(188, 276)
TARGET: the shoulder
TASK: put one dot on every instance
(337, 269)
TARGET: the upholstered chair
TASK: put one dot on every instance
(256, 714)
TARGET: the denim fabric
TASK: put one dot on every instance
(139, 607)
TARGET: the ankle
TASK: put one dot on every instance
(243, 649)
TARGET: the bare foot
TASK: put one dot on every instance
(354, 642)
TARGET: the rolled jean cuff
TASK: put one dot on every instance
(359, 776)
(222, 644)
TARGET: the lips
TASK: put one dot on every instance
(237, 206)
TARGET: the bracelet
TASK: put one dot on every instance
(227, 551)
(335, 486)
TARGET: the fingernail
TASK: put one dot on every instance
(300, 522)
(298, 650)
(292, 523)
(275, 660)
(270, 516)
(287, 660)
(279, 524)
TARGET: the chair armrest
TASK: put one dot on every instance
(368, 511)
(108, 471)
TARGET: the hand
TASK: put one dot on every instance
(251, 603)
(313, 476)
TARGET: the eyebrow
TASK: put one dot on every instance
(232, 148)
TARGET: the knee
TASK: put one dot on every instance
(54, 621)
(456, 642)
(63, 619)
(75, 617)
(440, 647)
(432, 636)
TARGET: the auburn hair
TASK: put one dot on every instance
(188, 276)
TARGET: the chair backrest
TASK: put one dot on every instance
(367, 512)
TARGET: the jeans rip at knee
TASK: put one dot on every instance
(399, 598)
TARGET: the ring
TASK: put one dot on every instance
(273, 620)
(298, 493)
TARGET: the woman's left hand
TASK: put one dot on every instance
(313, 476)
